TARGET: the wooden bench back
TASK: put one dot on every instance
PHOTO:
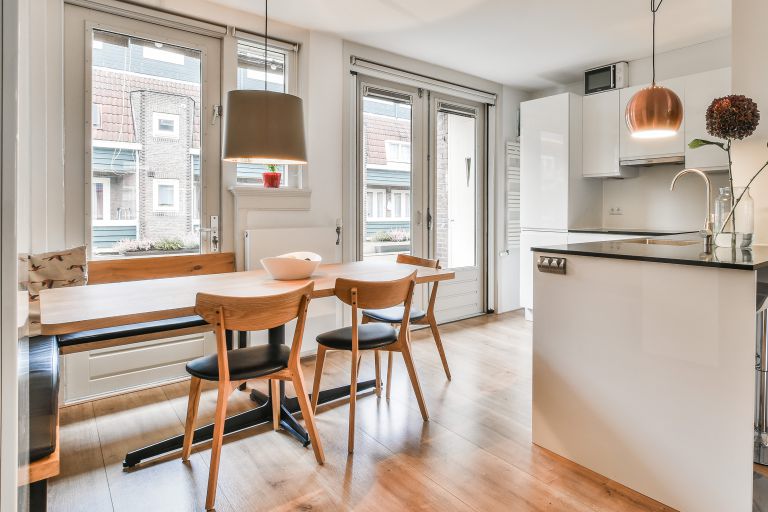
(139, 269)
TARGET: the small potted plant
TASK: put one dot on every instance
(271, 177)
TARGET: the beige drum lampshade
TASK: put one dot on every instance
(654, 112)
(264, 127)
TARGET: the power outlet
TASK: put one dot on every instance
(616, 210)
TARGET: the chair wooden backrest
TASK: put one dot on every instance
(140, 268)
(254, 314)
(376, 295)
(423, 262)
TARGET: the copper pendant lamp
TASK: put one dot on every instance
(655, 111)
(264, 127)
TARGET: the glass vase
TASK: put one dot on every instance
(743, 218)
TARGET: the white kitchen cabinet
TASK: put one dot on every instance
(700, 90)
(601, 128)
(553, 193)
(636, 150)
(530, 239)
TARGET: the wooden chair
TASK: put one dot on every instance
(377, 295)
(232, 368)
(394, 316)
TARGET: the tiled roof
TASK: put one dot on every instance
(379, 129)
(112, 90)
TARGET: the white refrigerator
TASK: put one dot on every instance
(554, 196)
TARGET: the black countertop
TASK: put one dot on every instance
(638, 232)
(669, 251)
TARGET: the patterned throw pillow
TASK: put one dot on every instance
(53, 270)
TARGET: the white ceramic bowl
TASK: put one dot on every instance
(290, 266)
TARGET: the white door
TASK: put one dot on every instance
(142, 168)
(455, 216)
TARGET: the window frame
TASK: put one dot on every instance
(156, 184)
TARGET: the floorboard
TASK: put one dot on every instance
(475, 453)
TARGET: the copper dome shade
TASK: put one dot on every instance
(654, 112)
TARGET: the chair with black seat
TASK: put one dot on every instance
(361, 337)
(234, 367)
(394, 316)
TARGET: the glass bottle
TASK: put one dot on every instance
(744, 217)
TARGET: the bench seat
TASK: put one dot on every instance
(43, 396)
(87, 340)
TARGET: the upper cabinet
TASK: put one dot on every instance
(700, 90)
(636, 151)
(601, 128)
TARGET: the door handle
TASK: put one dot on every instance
(213, 233)
(468, 160)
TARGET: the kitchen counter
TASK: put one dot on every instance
(680, 249)
(645, 372)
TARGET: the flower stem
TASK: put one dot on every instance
(733, 197)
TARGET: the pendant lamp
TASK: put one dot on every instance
(264, 127)
(655, 111)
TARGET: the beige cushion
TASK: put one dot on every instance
(55, 269)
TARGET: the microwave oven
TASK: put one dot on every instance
(606, 78)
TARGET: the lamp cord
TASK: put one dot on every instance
(266, 27)
(654, 9)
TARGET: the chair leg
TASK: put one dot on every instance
(408, 358)
(195, 387)
(306, 412)
(274, 386)
(440, 349)
(377, 363)
(318, 373)
(218, 438)
(352, 403)
(389, 373)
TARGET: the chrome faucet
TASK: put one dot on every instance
(707, 232)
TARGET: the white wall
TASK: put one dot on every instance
(750, 77)
(508, 265)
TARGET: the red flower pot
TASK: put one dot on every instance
(271, 179)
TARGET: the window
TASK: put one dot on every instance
(165, 197)
(401, 204)
(165, 125)
(279, 76)
(157, 53)
(398, 152)
(101, 199)
(375, 203)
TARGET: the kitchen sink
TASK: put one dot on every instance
(659, 241)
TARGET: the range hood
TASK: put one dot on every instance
(653, 160)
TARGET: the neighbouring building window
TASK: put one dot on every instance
(280, 67)
(165, 195)
(401, 204)
(101, 198)
(398, 152)
(376, 201)
(165, 125)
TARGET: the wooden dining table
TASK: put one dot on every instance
(82, 308)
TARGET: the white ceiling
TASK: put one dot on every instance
(530, 44)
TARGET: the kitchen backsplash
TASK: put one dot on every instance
(646, 201)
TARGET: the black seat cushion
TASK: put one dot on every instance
(244, 363)
(393, 315)
(43, 396)
(369, 336)
(123, 331)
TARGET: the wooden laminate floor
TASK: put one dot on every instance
(475, 454)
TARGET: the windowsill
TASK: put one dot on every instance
(256, 197)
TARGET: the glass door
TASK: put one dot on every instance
(456, 235)
(391, 163)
